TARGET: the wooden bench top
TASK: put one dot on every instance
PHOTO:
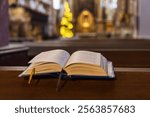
(130, 83)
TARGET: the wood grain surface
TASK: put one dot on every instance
(130, 83)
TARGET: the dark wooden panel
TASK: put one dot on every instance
(128, 58)
(13, 54)
(130, 83)
(123, 52)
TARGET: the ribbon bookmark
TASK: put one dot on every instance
(31, 75)
(59, 80)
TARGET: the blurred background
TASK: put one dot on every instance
(119, 29)
(38, 20)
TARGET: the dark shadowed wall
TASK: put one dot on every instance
(4, 31)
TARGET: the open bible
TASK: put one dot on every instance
(80, 63)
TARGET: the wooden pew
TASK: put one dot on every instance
(130, 83)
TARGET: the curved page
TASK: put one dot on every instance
(88, 57)
(55, 56)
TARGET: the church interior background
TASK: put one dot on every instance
(91, 18)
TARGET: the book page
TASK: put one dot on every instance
(84, 57)
(104, 63)
(56, 56)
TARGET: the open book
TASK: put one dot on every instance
(80, 63)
